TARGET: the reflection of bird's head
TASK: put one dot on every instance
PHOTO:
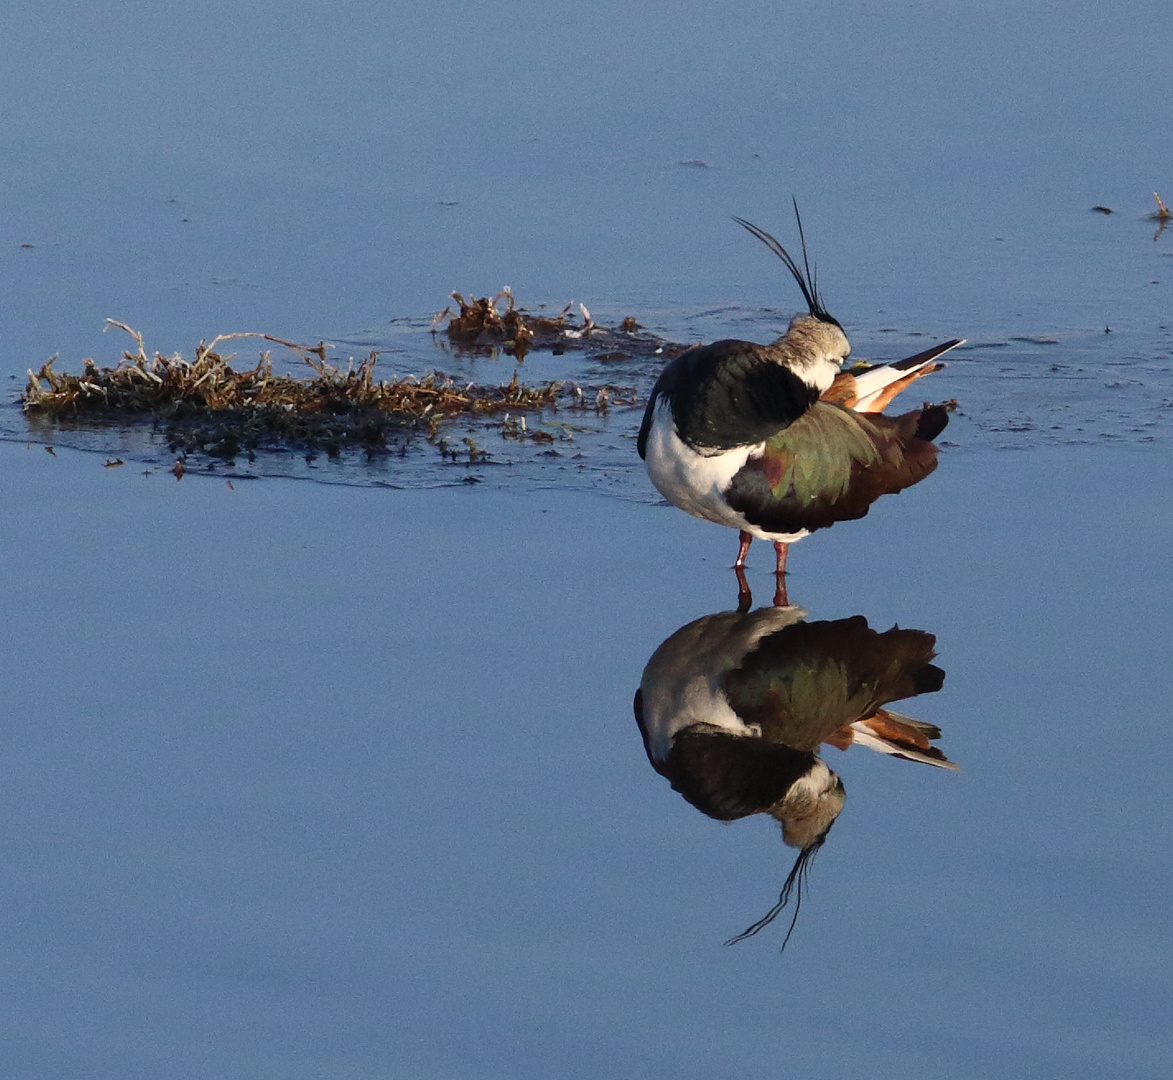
(810, 806)
(807, 811)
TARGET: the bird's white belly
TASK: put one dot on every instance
(697, 483)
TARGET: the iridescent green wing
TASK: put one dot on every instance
(815, 457)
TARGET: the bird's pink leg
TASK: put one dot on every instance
(780, 550)
(746, 540)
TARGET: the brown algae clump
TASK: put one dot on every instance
(210, 406)
(481, 323)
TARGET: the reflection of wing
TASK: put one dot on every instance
(804, 683)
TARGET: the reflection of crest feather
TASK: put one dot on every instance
(794, 882)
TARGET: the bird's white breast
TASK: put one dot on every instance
(697, 482)
(694, 482)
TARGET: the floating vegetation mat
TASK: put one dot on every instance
(481, 322)
(209, 406)
(212, 409)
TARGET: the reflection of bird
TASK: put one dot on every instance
(772, 440)
(733, 708)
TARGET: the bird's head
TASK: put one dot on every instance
(815, 346)
(814, 349)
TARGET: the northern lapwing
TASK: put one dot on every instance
(734, 707)
(774, 440)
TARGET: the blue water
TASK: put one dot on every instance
(315, 171)
(307, 779)
(333, 174)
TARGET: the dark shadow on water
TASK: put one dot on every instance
(734, 708)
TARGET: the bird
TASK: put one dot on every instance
(734, 707)
(776, 440)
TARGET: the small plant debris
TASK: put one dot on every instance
(1162, 216)
(483, 324)
(480, 323)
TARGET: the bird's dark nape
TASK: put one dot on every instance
(793, 883)
(805, 276)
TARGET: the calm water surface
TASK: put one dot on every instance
(342, 780)
(305, 780)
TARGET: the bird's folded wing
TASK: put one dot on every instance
(831, 464)
(731, 394)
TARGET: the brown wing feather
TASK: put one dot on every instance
(832, 463)
(842, 391)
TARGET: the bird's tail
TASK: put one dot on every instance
(874, 389)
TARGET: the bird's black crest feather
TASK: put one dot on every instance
(805, 276)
